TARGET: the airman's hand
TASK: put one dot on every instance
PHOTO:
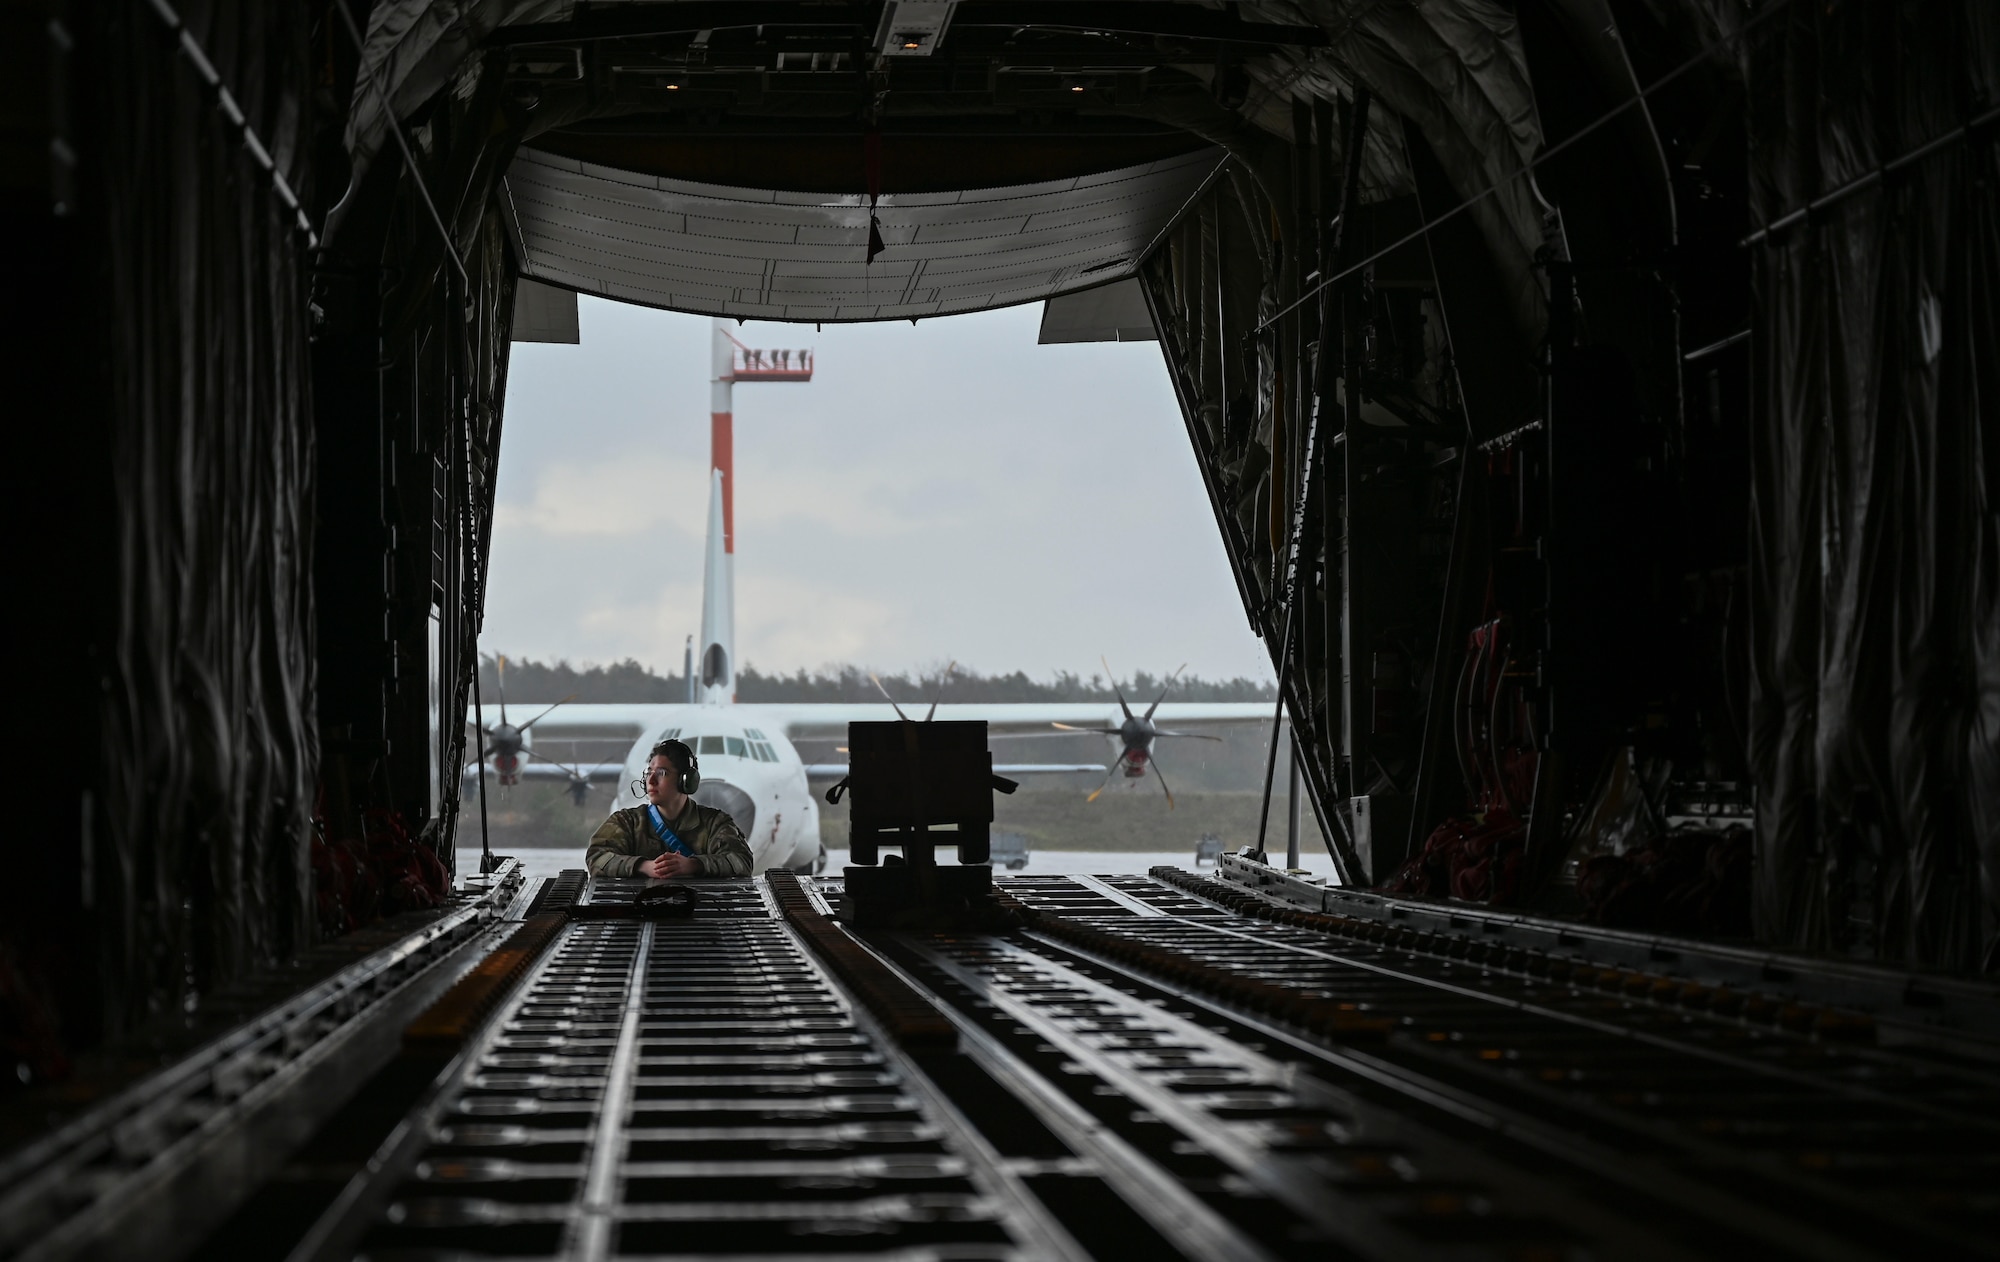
(667, 866)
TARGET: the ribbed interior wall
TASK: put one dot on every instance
(1876, 545)
(196, 842)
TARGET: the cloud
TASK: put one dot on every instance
(652, 618)
(945, 490)
(609, 497)
(637, 496)
(854, 503)
(785, 624)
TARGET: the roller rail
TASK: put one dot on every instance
(1784, 1127)
(695, 1088)
(1144, 1066)
(164, 1157)
(1956, 1014)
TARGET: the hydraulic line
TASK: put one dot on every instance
(232, 113)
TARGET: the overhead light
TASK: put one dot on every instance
(913, 28)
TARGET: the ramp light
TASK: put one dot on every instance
(913, 28)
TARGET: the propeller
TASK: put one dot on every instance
(1125, 760)
(1137, 734)
(950, 666)
(1109, 772)
(873, 679)
(504, 740)
(545, 714)
(935, 699)
(579, 781)
(1163, 692)
(1163, 782)
(1116, 692)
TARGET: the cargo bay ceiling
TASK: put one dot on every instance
(733, 158)
(1593, 397)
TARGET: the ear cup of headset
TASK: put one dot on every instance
(687, 779)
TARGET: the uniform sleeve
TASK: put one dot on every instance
(611, 850)
(727, 854)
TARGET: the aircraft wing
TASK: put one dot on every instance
(536, 769)
(835, 770)
(595, 721)
(823, 719)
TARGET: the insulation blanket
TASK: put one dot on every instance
(1875, 545)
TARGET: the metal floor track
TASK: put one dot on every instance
(1134, 1070)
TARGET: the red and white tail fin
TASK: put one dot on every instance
(716, 684)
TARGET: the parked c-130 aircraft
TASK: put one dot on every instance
(749, 766)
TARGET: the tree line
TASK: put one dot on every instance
(530, 682)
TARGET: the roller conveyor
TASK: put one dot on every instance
(1165, 1065)
(1820, 1139)
(1146, 1066)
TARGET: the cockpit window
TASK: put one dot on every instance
(754, 734)
(710, 745)
(735, 746)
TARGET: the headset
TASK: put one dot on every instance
(681, 754)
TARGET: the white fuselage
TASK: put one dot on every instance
(758, 762)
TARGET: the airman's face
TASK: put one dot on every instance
(660, 775)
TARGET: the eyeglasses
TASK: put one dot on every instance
(658, 771)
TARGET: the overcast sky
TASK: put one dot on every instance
(944, 490)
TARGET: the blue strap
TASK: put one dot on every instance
(668, 837)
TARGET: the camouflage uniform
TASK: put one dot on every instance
(626, 839)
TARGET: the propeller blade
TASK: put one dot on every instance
(545, 714)
(949, 667)
(1109, 772)
(500, 675)
(1114, 687)
(1200, 736)
(1163, 783)
(1102, 731)
(886, 697)
(1164, 691)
